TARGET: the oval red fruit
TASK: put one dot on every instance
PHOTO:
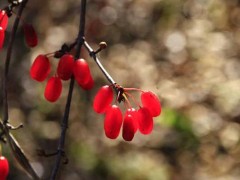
(145, 121)
(113, 122)
(30, 35)
(40, 68)
(4, 168)
(88, 85)
(3, 19)
(65, 67)
(53, 89)
(151, 102)
(2, 37)
(103, 99)
(129, 127)
(81, 72)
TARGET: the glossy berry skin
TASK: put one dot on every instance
(82, 72)
(103, 99)
(151, 102)
(53, 89)
(3, 19)
(113, 122)
(2, 37)
(65, 67)
(40, 68)
(130, 124)
(4, 168)
(30, 35)
(88, 85)
(145, 121)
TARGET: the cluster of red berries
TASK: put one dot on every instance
(4, 168)
(67, 67)
(3, 26)
(30, 35)
(133, 120)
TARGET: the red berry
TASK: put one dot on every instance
(113, 122)
(130, 124)
(151, 102)
(4, 168)
(81, 72)
(2, 36)
(40, 68)
(135, 116)
(53, 89)
(65, 67)
(3, 19)
(30, 35)
(103, 99)
(88, 85)
(145, 121)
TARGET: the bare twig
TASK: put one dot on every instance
(16, 149)
(94, 56)
(80, 42)
(8, 59)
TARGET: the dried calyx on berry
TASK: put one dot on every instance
(140, 119)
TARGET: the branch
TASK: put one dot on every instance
(80, 41)
(16, 149)
(93, 55)
(8, 59)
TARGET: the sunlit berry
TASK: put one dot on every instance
(151, 102)
(40, 68)
(53, 89)
(65, 67)
(145, 121)
(113, 122)
(2, 37)
(81, 72)
(130, 124)
(4, 168)
(30, 35)
(103, 99)
(3, 19)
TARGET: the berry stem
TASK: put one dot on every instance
(133, 89)
(69, 98)
(96, 59)
(131, 96)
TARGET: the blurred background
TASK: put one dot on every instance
(186, 51)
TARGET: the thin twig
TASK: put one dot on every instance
(93, 55)
(80, 42)
(16, 149)
(8, 59)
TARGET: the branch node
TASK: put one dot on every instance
(11, 127)
(102, 45)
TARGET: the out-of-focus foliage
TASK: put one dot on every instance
(186, 51)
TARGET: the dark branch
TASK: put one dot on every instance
(69, 98)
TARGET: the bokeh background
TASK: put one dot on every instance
(186, 51)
